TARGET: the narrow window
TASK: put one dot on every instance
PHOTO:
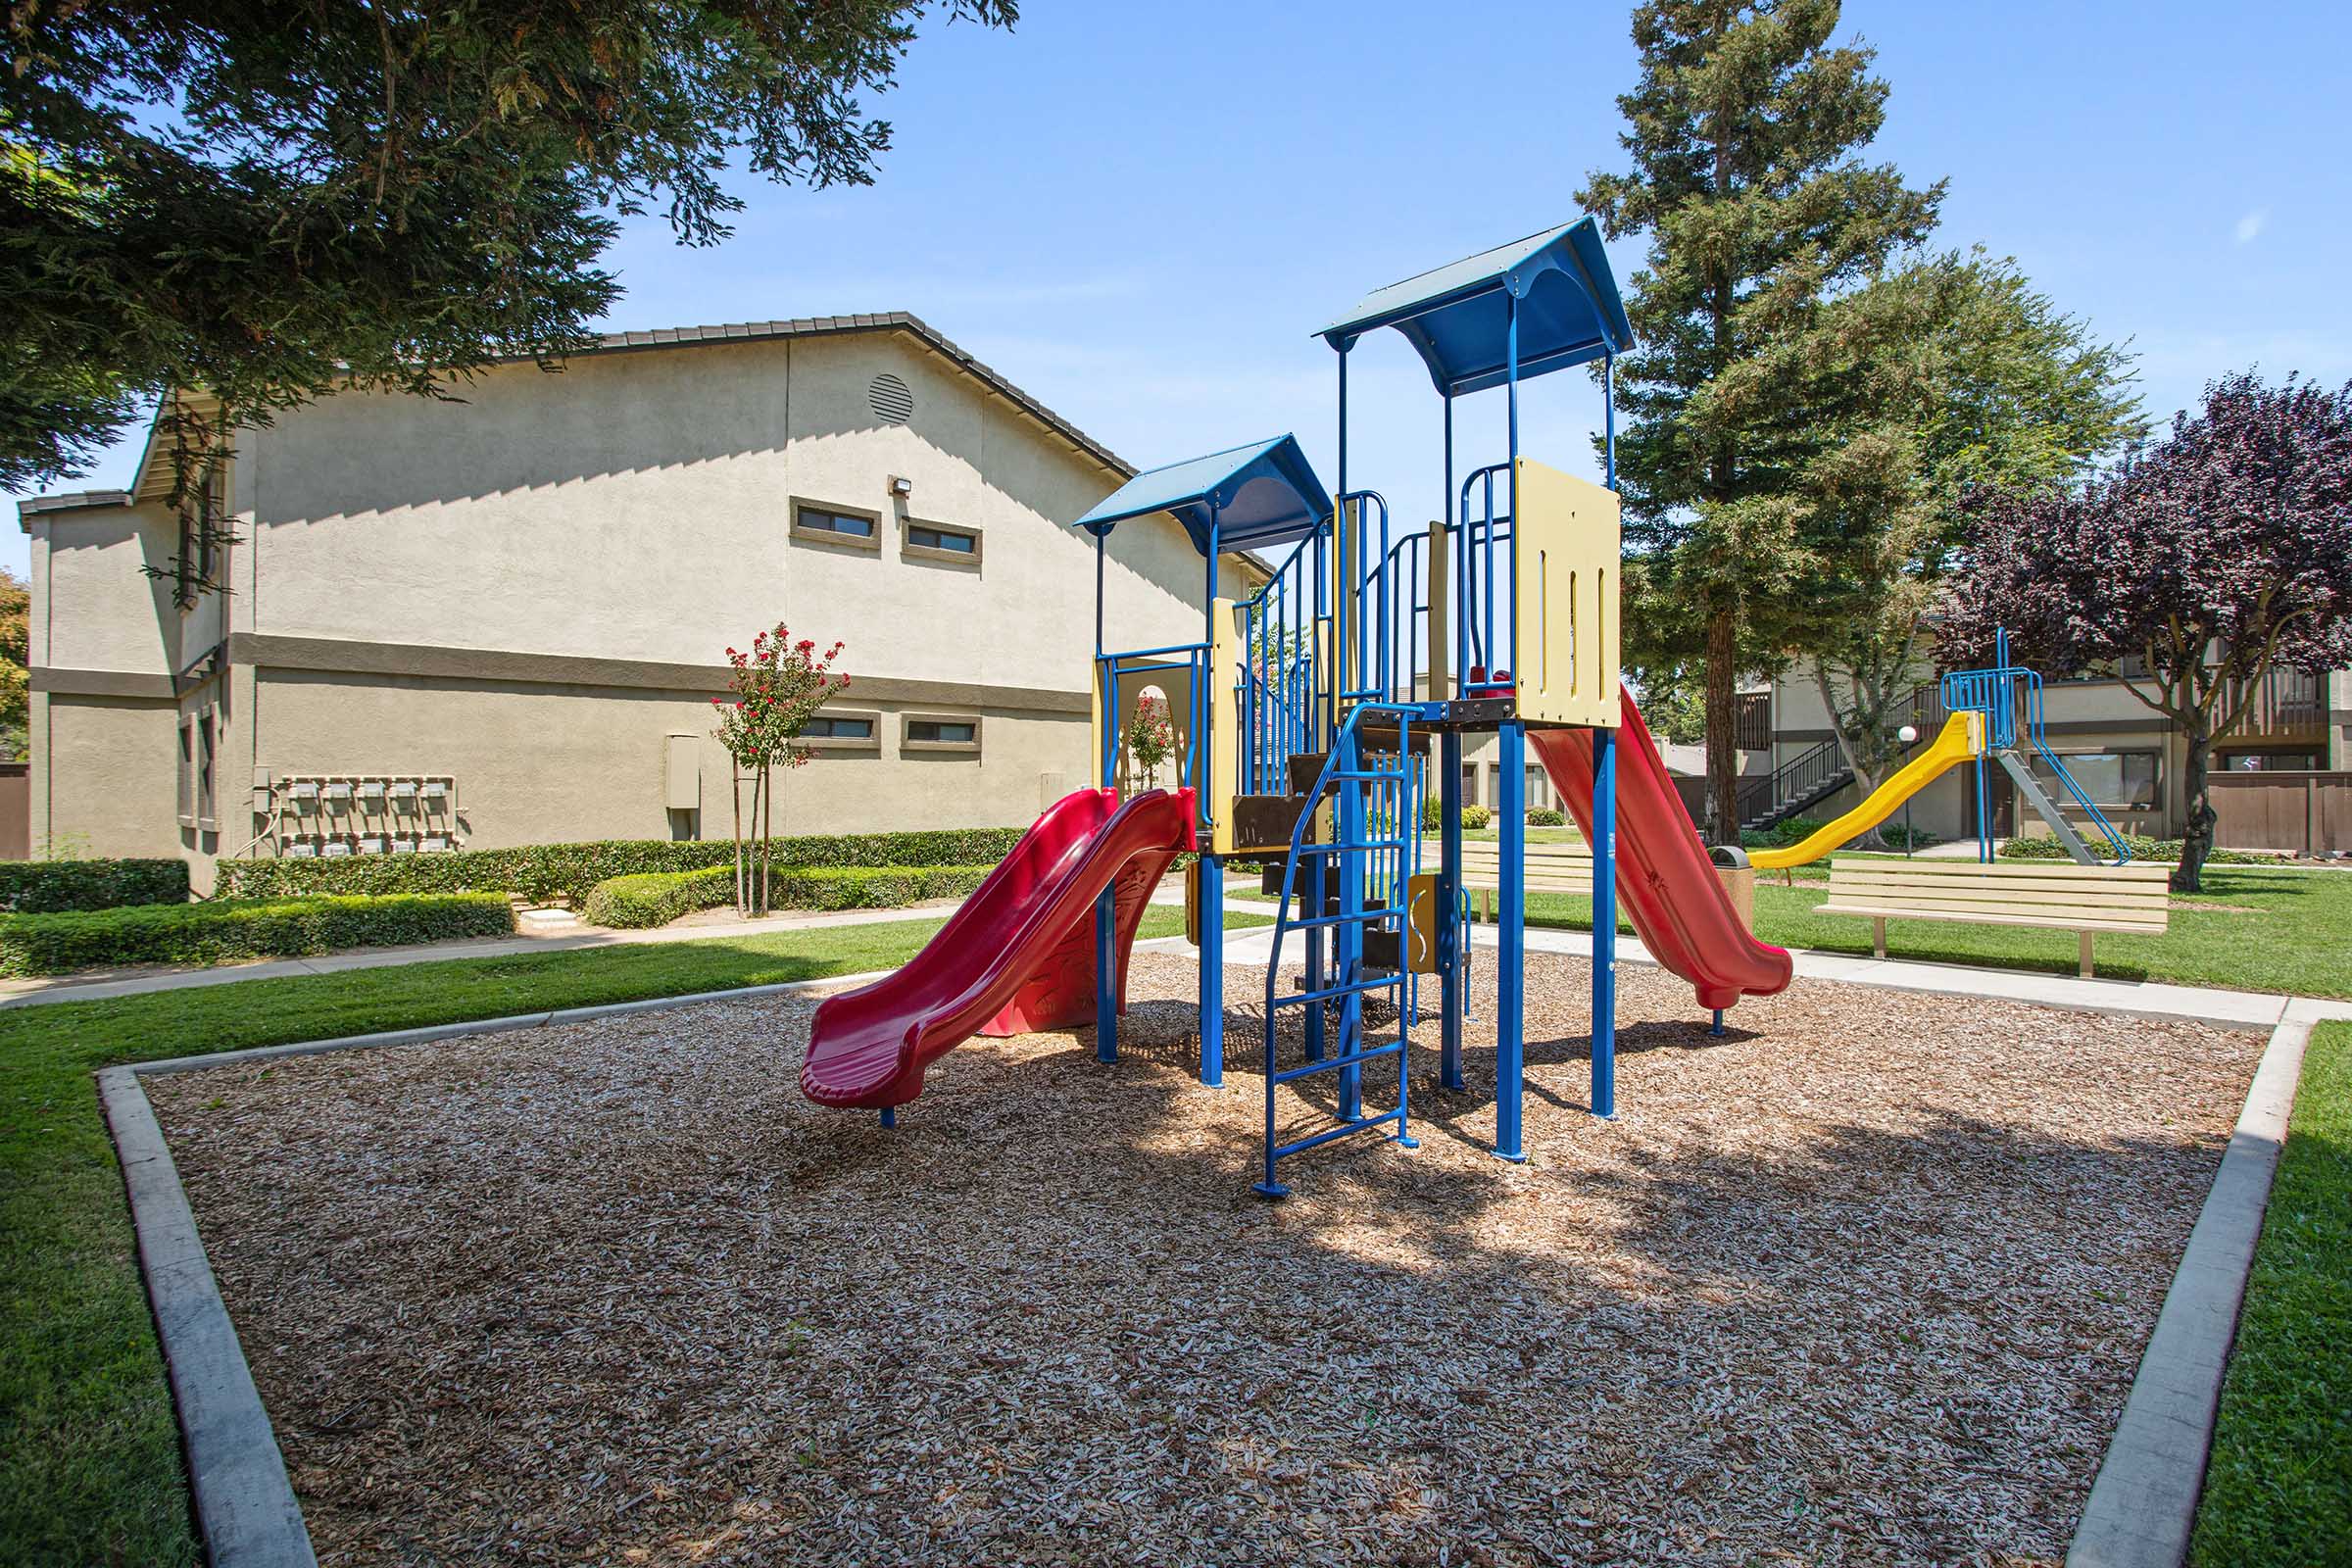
(827, 728)
(949, 541)
(942, 732)
(205, 815)
(833, 524)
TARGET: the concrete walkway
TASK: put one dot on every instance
(99, 984)
(2144, 999)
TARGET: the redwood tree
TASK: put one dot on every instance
(1744, 136)
(2222, 552)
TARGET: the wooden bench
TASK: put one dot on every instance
(1552, 867)
(2053, 896)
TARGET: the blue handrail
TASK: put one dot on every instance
(1997, 692)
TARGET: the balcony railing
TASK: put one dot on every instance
(2290, 704)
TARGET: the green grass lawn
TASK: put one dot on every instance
(90, 1451)
(2253, 928)
(2279, 1485)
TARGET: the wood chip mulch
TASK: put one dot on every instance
(1865, 1282)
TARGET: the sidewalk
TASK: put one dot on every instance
(99, 984)
(2125, 997)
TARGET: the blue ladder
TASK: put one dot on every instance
(1372, 855)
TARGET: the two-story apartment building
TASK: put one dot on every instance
(503, 619)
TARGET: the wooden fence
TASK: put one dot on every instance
(2308, 814)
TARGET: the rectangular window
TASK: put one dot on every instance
(939, 542)
(2270, 761)
(834, 526)
(207, 813)
(1469, 783)
(1537, 798)
(838, 729)
(939, 732)
(2116, 781)
(187, 772)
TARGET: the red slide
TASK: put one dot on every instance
(1664, 879)
(1018, 956)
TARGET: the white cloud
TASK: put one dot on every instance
(2252, 225)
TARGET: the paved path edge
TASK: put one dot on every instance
(2143, 1504)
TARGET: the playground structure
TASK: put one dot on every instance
(1990, 710)
(1314, 715)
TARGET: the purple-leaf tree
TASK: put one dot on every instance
(2209, 559)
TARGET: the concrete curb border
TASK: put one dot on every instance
(246, 1510)
(2143, 1504)
(245, 1506)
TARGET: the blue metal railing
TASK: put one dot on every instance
(1485, 633)
(1281, 681)
(1186, 661)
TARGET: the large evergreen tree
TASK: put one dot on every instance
(269, 199)
(1743, 135)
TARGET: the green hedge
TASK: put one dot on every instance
(2142, 849)
(657, 898)
(572, 870)
(250, 928)
(1545, 816)
(52, 887)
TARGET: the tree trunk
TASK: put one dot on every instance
(1723, 740)
(735, 798)
(2196, 834)
(768, 839)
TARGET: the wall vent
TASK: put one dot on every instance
(891, 402)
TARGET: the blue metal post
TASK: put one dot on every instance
(1106, 906)
(1510, 959)
(1213, 869)
(1605, 922)
(890, 1116)
(1451, 955)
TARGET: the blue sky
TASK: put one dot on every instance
(1139, 213)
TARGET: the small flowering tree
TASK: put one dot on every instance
(773, 692)
(1150, 737)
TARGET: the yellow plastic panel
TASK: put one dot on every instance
(1421, 923)
(1224, 725)
(1565, 538)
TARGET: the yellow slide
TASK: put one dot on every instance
(1962, 739)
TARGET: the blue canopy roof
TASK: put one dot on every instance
(1262, 494)
(1569, 310)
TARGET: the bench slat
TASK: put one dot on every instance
(2136, 871)
(2035, 894)
(1873, 912)
(2025, 909)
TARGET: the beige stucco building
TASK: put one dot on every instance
(501, 619)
